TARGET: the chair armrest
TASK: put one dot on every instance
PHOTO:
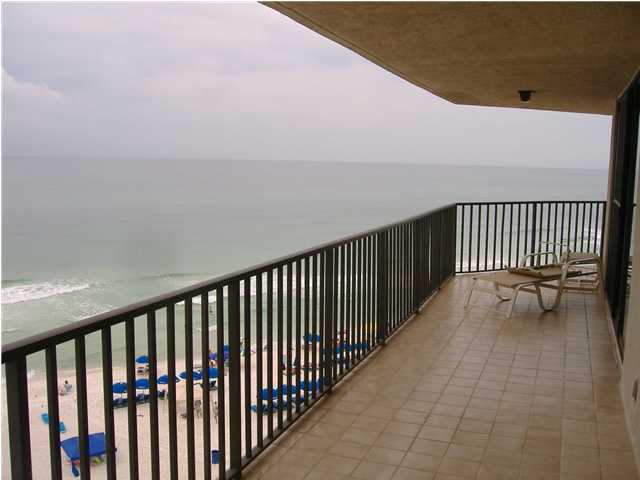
(523, 262)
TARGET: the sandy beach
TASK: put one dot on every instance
(68, 414)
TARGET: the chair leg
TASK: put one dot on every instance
(469, 292)
(541, 301)
(513, 301)
(502, 298)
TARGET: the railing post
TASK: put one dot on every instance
(235, 427)
(453, 218)
(18, 415)
(417, 265)
(329, 330)
(382, 282)
(534, 216)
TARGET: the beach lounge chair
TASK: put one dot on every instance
(264, 408)
(120, 402)
(45, 418)
(528, 279)
(97, 450)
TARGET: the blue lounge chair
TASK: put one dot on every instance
(62, 428)
(120, 402)
(264, 408)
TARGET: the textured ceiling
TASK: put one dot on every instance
(576, 56)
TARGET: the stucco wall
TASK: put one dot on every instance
(631, 364)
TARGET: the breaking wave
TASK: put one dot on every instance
(26, 292)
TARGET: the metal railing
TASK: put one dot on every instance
(495, 235)
(311, 317)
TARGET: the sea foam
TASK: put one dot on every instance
(35, 291)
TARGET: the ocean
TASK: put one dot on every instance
(83, 236)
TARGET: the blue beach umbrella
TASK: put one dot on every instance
(213, 372)
(119, 387)
(197, 375)
(310, 338)
(164, 379)
(289, 389)
(142, 384)
(142, 359)
(264, 394)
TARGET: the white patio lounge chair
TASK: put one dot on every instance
(528, 279)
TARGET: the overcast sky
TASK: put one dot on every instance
(243, 81)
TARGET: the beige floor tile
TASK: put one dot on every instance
(583, 439)
(293, 472)
(497, 472)
(480, 414)
(465, 452)
(471, 438)
(374, 471)
(394, 441)
(436, 433)
(313, 443)
(420, 461)
(509, 430)
(357, 435)
(403, 473)
(336, 464)
(512, 444)
(507, 458)
(461, 468)
(409, 416)
(477, 426)
(445, 409)
(429, 447)
(386, 456)
(349, 449)
(313, 475)
(444, 421)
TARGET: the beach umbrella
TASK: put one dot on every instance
(309, 338)
(264, 394)
(197, 375)
(119, 387)
(213, 372)
(142, 359)
(142, 384)
(164, 379)
(289, 389)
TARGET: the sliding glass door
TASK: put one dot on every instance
(622, 201)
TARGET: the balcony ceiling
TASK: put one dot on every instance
(577, 57)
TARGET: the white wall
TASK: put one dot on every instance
(631, 364)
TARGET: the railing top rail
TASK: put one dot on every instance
(523, 202)
(95, 323)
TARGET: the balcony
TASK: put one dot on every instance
(467, 393)
(360, 361)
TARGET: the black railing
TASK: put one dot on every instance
(495, 235)
(311, 318)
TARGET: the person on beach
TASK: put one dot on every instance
(66, 388)
(214, 409)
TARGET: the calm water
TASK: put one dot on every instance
(84, 236)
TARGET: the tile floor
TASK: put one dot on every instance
(467, 394)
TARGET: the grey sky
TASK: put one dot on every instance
(243, 81)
